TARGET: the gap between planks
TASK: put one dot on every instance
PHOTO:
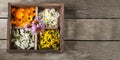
(72, 18)
(86, 40)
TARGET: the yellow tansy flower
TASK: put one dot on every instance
(49, 39)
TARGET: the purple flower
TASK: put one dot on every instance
(35, 27)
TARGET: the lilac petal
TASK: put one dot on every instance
(38, 26)
(41, 24)
(34, 29)
(33, 25)
(39, 19)
(36, 18)
(35, 33)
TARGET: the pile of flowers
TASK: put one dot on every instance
(23, 39)
(49, 39)
(21, 16)
(49, 17)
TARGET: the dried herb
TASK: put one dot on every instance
(22, 39)
(49, 39)
(21, 16)
(49, 17)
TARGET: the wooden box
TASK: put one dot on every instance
(14, 15)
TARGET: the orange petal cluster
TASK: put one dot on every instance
(21, 16)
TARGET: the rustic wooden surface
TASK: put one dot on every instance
(78, 8)
(92, 30)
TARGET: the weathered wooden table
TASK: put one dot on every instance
(92, 31)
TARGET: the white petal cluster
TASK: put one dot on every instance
(25, 41)
(49, 17)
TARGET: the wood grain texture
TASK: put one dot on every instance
(83, 29)
(3, 28)
(74, 50)
(77, 8)
(92, 29)
(3, 44)
(4, 7)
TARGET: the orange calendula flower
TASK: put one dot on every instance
(13, 11)
(32, 14)
(30, 18)
(19, 15)
(32, 9)
(22, 16)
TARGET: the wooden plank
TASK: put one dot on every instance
(78, 8)
(92, 29)
(4, 7)
(90, 8)
(3, 44)
(83, 29)
(74, 50)
(3, 28)
(93, 50)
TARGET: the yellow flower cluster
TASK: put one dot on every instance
(50, 38)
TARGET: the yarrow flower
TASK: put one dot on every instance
(36, 26)
(22, 39)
